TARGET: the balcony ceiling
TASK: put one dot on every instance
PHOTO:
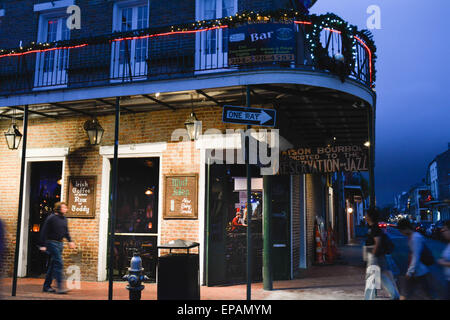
(306, 115)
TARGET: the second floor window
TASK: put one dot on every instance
(130, 55)
(52, 65)
(56, 31)
(212, 45)
(215, 9)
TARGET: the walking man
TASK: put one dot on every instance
(378, 272)
(52, 234)
(418, 273)
(444, 261)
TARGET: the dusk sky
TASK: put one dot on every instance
(413, 86)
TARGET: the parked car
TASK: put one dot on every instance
(382, 224)
(423, 226)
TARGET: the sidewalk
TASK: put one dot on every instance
(342, 281)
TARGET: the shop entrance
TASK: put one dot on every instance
(137, 215)
(227, 243)
(227, 253)
(45, 191)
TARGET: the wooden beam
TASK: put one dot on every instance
(71, 109)
(159, 102)
(209, 97)
(114, 105)
(35, 112)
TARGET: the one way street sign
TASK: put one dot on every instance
(249, 116)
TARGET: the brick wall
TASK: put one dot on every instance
(84, 159)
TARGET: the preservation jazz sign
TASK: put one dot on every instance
(81, 197)
(348, 158)
(180, 196)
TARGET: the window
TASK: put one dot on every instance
(51, 66)
(130, 56)
(212, 46)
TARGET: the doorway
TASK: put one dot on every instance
(227, 242)
(137, 215)
(45, 191)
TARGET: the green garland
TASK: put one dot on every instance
(320, 56)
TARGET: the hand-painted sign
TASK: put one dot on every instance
(261, 42)
(249, 116)
(81, 197)
(351, 158)
(180, 196)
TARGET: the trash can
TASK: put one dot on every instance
(178, 273)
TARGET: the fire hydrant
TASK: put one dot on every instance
(135, 277)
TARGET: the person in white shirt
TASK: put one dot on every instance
(445, 257)
(417, 274)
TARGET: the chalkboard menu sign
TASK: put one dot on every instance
(261, 42)
(180, 196)
(81, 197)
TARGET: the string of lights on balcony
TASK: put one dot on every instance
(313, 26)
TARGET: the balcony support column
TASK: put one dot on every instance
(371, 139)
(19, 214)
(112, 215)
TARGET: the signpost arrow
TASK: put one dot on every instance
(249, 116)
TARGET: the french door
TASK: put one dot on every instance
(130, 56)
(212, 45)
(51, 66)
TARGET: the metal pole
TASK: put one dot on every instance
(207, 221)
(249, 206)
(112, 217)
(19, 215)
(267, 235)
(370, 120)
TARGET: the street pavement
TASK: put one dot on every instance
(344, 280)
(341, 281)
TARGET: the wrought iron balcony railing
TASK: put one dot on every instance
(153, 54)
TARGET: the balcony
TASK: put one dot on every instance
(326, 45)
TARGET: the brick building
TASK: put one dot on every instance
(158, 62)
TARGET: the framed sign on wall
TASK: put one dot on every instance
(81, 196)
(180, 196)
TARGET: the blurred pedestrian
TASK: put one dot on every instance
(53, 232)
(2, 249)
(377, 265)
(418, 274)
(445, 258)
(2, 245)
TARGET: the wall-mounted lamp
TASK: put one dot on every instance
(94, 131)
(13, 136)
(193, 126)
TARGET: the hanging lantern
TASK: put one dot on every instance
(13, 137)
(94, 131)
(193, 126)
